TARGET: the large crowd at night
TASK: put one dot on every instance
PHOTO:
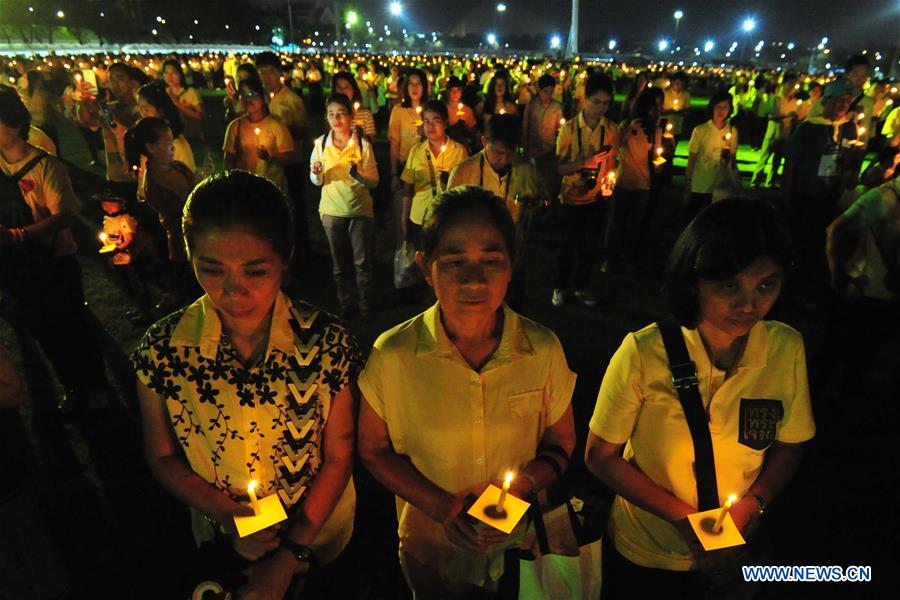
(441, 168)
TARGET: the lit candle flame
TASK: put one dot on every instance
(659, 151)
(103, 238)
(271, 95)
(443, 147)
(668, 127)
(251, 491)
(256, 131)
(860, 131)
(502, 111)
(728, 504)
(459, 106)
(728, 136)
(356, 106)
(562, 121)
(418, 110)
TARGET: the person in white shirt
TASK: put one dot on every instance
(711, 156)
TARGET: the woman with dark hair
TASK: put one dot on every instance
(747, 380)
(344, 83)
(344, 165)
(154, 101)
(427, 169)
(711, 172)
(231, 101)
(404, 132)
(186, 99)
(458, 395)
(498, 100)
(44, 106)
(273, 375)
(640, 142)
(642, 81)
(165, 184)
(257, 141)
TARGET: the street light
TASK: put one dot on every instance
(555, 42)
(708, 46)
(501, 8)
(678, 14)
(611, 45)
(352, 17)
(749, 24)
(492, 39)
(663, 45)
(396, 9)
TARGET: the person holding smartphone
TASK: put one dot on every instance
(587, 165)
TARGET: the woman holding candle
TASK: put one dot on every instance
(343, 163)
(164, 185)
(640, 142)
(460, 394)
(344, 83)
(231, 101)
(404, 132)
(711, 155)
(248, 385)
(498, 100)
(257, 141)
(428, 169)
(723, 276)
(461, 121)
(186, 99)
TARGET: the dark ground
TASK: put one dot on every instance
(124, 537)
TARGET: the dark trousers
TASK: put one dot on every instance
(696, 203)
(49, 303)
(624, 580)
(582, 237)
(296, 175)
(629, 212)
(810, 217)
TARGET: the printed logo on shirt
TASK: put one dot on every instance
(759, 419)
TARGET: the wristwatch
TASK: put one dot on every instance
(761, 506)
(300, 552)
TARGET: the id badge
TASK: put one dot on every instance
(828, 165)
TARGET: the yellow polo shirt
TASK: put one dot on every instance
(404, 128)
(765, 400)
(241, 139)
(522, 180)
(343, 196)
(571, 146)
(418, 173)
(289, 107)
(463, 429)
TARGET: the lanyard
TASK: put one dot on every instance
(434, 183)
(481, 177)
(581, 141)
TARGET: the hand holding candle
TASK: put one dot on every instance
(717, 527)
(505, 490)
(254, 502)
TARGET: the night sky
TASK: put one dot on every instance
(848, 24)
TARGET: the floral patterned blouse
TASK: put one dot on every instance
(265, 423)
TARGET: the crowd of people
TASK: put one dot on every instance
(239, 382)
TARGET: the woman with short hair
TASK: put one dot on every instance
(247, 385)
(460, 394)
(723, 276)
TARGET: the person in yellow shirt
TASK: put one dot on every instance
(586, 159)
(404, 132)
(427, 169)
(460, 394)
(186, 99)
(677, 102)
(723, 276)
(343, 163)
(285, 104)
(540, 124)
(258, 141)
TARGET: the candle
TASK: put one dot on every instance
(502, 111)
(77, 77)
(256, 131)
(355, 106)
(104, 239)
(505, 490)
(271, 95)
(443, 147)
(728, 504)
(676, 103)
(888, 103)
(562, 122)
(251, 491)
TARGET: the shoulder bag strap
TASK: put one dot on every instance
(684, 377)
(28, 166)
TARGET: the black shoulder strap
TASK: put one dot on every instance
(684, 376)
(28, 166)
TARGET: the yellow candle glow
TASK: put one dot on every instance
(418, 110)
(860, 116)
(443, 147)
(355, 106)
(77, 77)
(104, 238)
(888, 103)
(676, 103)
(669, 128)
(728, 504)
(502, 111)
(659, 152)
(256, 131)
(271, 95)
(505, 490)
(562, 121)
(254, 502)
(860, 131)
